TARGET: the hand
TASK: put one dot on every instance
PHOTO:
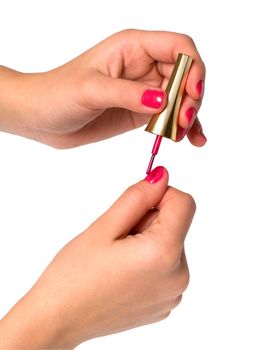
(126, 270)
(114, 87)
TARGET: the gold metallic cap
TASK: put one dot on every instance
(165, 123)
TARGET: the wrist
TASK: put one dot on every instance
(10, 95)
(30, 324)
(17, 100)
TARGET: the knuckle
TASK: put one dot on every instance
(182, 199)
(182, 281)
(185, 280)
(203, 68)
(168, 256)
(133, 194)
(189, 202)
(164, 316)
(189, 40)
(160, 257)
(176, 301)
(128, 31)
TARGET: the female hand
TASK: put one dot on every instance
(126, 270)
(113, 87)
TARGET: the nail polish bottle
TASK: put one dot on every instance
(165, 124)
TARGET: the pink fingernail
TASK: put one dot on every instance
(190, 114)
(181, 133)
(200, 87)
(202, 134)
(153, 98)
(155, 175)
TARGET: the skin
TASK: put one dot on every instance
(82, 295)
(73, 104)
(85, 291)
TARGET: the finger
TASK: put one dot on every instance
(165, 69)
(196, 135)
(176, 211)
(188, 112)
(184, 259)
(183, 274)
(145, 222)
(131, 95)
(195, 81)
(165, 47)
(166, 306)
(134, 203)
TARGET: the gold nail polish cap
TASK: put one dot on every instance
(165, 123)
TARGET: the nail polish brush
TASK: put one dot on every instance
(165, 124)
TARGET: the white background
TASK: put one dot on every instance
(48, 196)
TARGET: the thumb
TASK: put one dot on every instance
(134, 203)
(132, 95)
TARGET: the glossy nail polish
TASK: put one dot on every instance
(190, 114)
(153, 98)
(155, 175)
(165, 124)
(200, 87)
(202, 134)
(181, 133)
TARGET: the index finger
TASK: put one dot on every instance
(176, 211)
(164, 48)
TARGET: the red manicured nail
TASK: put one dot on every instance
(204, 137)
(181, 133)
(155, 175)
(200, 87)
(190, 114)
(202, 134)
(153, 98)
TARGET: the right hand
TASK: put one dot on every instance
(111, 88)
(126, 270)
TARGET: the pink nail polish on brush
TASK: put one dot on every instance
(165, 124)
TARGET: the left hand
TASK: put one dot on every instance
(127, 269)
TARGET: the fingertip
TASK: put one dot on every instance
(200, 88)
(188, 112)
(197, 138)
(158, 174)
(196, 81)
(195, 89)
(187, 116)
(181, 133)
(154, 99)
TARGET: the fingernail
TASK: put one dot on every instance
(201, 132)
(190, 114)
(153, 98)
(155, 175)
(200, 87)
(181, 133)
